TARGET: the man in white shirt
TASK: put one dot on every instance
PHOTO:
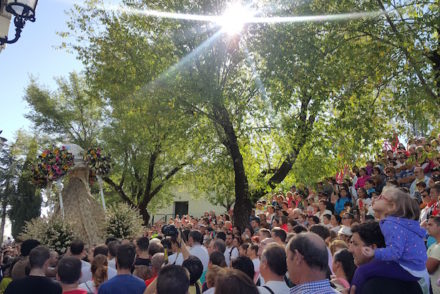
(433, 262)
(273, 268)
(195, 240)
(231, 252)
(77, 251)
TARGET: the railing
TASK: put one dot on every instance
(161, 216)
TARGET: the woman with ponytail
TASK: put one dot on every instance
(99, 274)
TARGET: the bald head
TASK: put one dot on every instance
(157, 261)
(312, 248)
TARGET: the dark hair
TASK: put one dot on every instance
(292, 222)
(27, 246)
(370, 233)
(38, 256)
(102, 249)
(142, 243)
(338, 218)
(299, 229)
(154, 248)
(314, 254)
(254, 247)
(275, 257)
(125, 256)
(347, 261)
(196, 236)
(436, 219)
(315, 219)
(327, 216)
(69, 270)
(172, 279)
(194, 267)
(220, 245)
(280, 233)
(110, 239)
(244, 264)
(113, 247)
(221, 235)
(217, 258)
(233, 281)
(76, 247)
(321, 231)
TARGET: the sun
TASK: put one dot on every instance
(234, 19)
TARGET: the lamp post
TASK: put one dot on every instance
(23, 10)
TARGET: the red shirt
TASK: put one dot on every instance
(150, 280)
(76, 291)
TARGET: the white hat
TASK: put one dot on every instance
(344, 230)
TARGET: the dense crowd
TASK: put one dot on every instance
(374, 229)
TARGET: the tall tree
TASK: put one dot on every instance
(25, 204)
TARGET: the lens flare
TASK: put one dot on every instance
(234, 19)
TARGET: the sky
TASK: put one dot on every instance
(34, 54)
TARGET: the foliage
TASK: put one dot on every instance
(52, 164)
(123, 222)
(25, 204)
(72, 113)
(275, 105)
(51, 231)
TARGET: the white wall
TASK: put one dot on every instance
(196, 207)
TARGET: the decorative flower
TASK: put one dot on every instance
(52, 164)
(99, 164)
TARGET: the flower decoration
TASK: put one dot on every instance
(52, 231)
(98, 163)
(123, 221)
(52, 164)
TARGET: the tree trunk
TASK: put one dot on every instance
(145, 215)
(3, 222)
(243, 205)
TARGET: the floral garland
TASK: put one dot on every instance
(98, 163)
(52, 164)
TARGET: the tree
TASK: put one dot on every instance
(8, 178)
(145, 134)
(25, 204)
(260, 105)
(71, 113)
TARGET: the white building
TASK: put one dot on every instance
(184, 203)
(5, 20)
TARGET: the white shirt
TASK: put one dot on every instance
(210, 291)
(278, 287)
(201, 252)
(112, 263)
(230, 255)
(86, 273)
(256, 262)
(176, 258)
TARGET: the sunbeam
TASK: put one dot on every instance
(243, 18)
(182, 62)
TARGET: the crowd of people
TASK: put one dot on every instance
(374, 229)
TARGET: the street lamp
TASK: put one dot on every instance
(23, 10)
